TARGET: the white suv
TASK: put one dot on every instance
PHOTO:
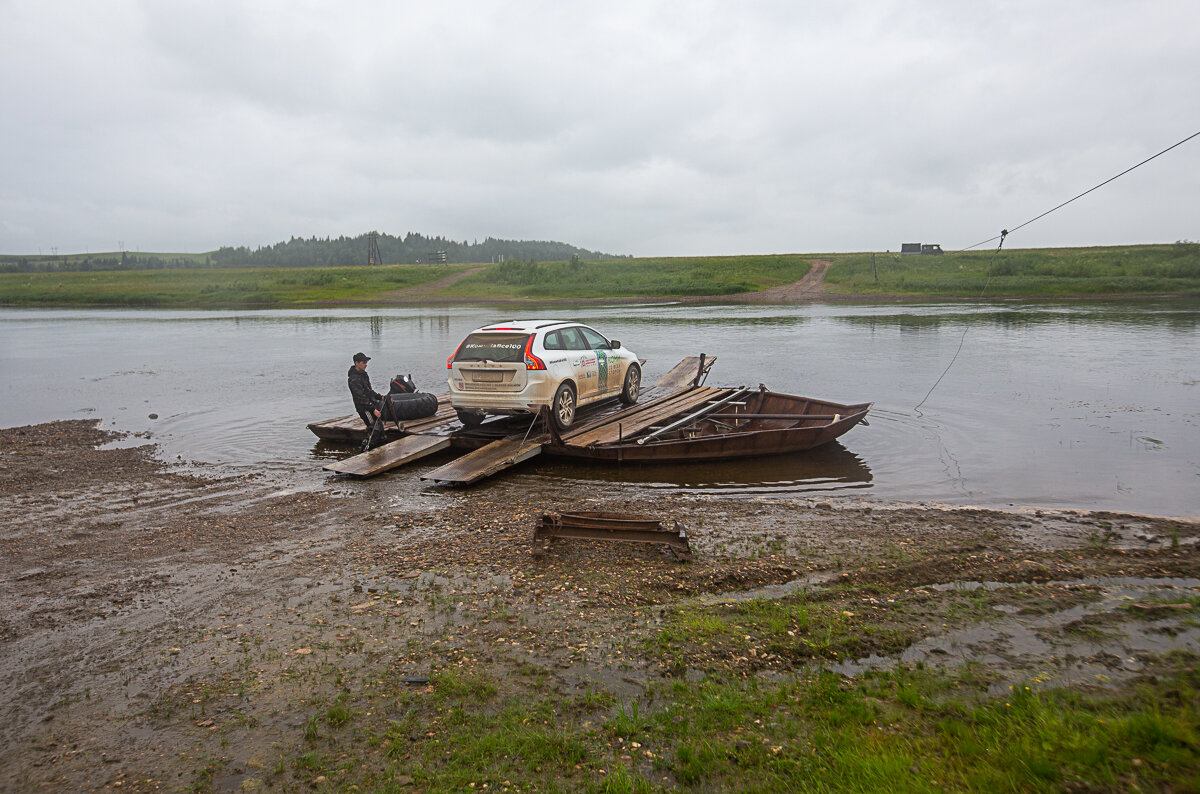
(517, 366)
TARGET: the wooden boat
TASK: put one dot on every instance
(706, 424)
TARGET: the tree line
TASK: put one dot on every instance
(341, 251)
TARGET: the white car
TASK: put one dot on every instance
(518, 366)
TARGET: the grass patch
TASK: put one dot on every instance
(632, 278)
(908, 730)
(1041, 272)
(214, 287)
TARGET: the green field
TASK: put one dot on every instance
(214, 287)
(705, 276)
(1034, 272)
(1172, 269)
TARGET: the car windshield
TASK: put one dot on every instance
(492, 347)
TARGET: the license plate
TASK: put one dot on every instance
(487, 377)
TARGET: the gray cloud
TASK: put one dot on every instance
(643, 128)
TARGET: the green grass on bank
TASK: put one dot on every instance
(706, 276)
(1041, 272)
(214, 287)
(1052, 272)
(910, 730)
(485, 727)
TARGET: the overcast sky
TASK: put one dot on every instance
(643, 128)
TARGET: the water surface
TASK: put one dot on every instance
(1081, 404)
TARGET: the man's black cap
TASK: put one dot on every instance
(361, 357)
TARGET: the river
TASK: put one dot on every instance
(1064, 404)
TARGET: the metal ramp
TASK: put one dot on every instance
(390, 455)
(485, 462)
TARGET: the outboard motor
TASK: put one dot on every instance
(402, 384)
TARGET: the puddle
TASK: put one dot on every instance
(1044, 649)
(770, 591)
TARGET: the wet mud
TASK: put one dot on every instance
(167, 631)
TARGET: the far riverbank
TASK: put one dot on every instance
(1116, 272)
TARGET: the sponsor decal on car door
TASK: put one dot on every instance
(586, 373)
(583, 362)
(601, 371)
(607, 365)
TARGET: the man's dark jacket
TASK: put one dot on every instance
(366, 400)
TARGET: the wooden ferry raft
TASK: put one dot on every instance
(679, 419)
(423, 437)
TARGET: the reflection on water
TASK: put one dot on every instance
(1180, 315)
(1082, 404)
(828, 468)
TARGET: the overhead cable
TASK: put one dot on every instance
(1084, 193)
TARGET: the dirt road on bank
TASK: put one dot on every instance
(168, 632)
(808, 289)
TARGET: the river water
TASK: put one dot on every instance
(1080, 404)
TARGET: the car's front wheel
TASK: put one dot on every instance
(563, 407)
(633, 384)
(469, 418)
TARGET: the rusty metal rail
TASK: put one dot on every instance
(698, 415)
(610, 526)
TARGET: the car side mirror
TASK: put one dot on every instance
(613, 344)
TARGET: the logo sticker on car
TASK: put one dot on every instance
(603, 359)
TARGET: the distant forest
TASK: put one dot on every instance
(315, 252)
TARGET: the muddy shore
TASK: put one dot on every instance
(164, 631)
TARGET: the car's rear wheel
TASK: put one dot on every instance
(633, 384)
(469, 418)
(563, 407)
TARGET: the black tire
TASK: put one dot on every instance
(469, 418)
(404, 407)
(563, 407)
(633, 385)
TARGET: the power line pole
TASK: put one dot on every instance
(373, 257)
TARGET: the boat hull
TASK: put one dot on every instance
(777, 424)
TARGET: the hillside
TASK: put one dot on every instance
(342, 251)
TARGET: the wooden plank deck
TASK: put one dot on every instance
(639, 417)
(484, 462)
(350, 426)
(389, 456)
(684, 373)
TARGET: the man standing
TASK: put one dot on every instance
(366, 399)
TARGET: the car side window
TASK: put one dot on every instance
(554, 341)
(595, 340)
(573, 339)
